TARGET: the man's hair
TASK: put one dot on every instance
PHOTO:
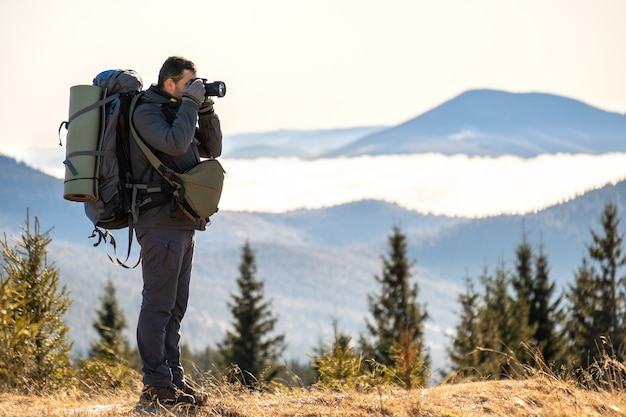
(173, 68)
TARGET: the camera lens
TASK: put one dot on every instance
(221, 89)
(216, 88)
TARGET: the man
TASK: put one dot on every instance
(178, 122)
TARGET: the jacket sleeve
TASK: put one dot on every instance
(209, 134)
(172, 139)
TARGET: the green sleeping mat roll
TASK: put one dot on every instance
(83, 138)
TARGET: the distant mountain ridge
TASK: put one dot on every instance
(304, 144)
(493, 123)
(476, 123)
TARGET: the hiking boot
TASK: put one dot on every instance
(165, 396)
(199, 396)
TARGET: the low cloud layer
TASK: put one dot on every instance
(430, 183)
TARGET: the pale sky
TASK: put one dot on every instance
(307, 64)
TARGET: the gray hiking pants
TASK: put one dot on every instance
(166, 267)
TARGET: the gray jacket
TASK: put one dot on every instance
(178, 138)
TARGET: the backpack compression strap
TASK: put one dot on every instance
(102, 237)
(102, 102)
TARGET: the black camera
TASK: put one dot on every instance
(215, 88)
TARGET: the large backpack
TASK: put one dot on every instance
(98, 168)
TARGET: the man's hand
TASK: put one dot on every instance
(195, 91)
(206, 107)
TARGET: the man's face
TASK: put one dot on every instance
(179, 87)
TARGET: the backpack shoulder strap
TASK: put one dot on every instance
(167, 173)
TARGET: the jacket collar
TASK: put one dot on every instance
(165, 96)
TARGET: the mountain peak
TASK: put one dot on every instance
(489, 122)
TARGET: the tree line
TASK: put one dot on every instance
(508, 320)
(518, 319)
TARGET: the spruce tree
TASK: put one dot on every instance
(545, 314)
(478, 350)
(15, 331)
(398, 319)
(597, 313)
(250, 347)
(508, 316)
(338, 365)
(606, 251)
(534, 292)
(582, 315)
(523, 278)
(466, 358)
(523, 282)
(112, 346)
(42, 358)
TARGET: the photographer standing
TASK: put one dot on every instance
(176, 119)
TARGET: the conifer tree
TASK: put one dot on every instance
(15, 331)
(533, 288)
(339, 365)
(113, 346)
(582, 316)
(42, 358)
(523, 282)
(477, 348)
(606, 251)
(509, 318)
(250, 347)
(534, 292)
(398, 319)
(466, 358)
(597, 313)
(545, 314)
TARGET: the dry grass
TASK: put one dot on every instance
(531, 397)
